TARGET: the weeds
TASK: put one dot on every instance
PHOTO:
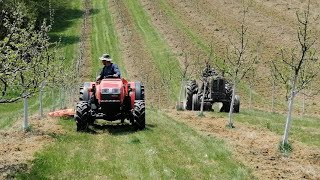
(285, 148)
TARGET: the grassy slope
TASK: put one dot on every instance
(160, 51)
(196, 39)
(166, 149)
(67, 26)
(104, 37)
(304, 129)
(204, 44)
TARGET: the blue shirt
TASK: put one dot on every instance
(110, 70)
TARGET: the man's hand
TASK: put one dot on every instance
(98, 80)
(115, 75)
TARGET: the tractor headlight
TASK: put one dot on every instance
(115, 91)
(105, 91)
(110, 91)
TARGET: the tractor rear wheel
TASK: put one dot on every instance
(82, 116)
(84, 93)
(139, 92)
(139, 115)
(190, 89)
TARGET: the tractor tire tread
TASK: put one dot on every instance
(139, 114)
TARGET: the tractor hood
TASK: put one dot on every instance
(111, 83)
(111, 91)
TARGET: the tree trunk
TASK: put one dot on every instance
(273, 90)
(53, 100)
(40, 100)
(304, 102)
(250, 97)
(232, 102)
(181, 91)
(202, 102)
(290, 107)
(25, 124)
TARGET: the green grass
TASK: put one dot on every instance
(195, 39)
(104, 38)
(158, 48)
(10, 113)
(167, 149)
(304, 129)
(67, 27)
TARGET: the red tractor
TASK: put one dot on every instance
(112, 99)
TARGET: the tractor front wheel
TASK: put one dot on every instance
(82, 116)
(139, 115)
(225, 107)
(207, 106)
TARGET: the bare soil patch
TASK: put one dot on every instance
(17, 148)
(257, 148)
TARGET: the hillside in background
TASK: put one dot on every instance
(155, 39)
(152, 41)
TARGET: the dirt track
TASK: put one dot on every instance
(17, 148)
(257, 148)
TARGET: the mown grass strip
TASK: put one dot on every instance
(160, 51)
(104, 38)
(196, 39)
(166, 149)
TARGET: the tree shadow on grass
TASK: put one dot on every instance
(66, 17)
(63, 20)
(64, 40)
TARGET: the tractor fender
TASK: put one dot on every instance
(86, 91)
(138, 91)
(86, 94)
(132, 93)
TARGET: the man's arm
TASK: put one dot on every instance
(101, 75)
(116, 70)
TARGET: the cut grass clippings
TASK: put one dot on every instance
(304, 129)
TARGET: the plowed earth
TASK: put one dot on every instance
(257, 148)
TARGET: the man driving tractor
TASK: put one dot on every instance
(109, 70)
